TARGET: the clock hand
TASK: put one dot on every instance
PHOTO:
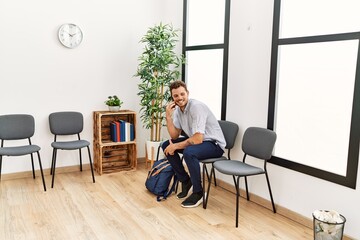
(68, 33)
(71, 35)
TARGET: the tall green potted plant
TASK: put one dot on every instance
(158, 66)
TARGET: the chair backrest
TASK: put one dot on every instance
(16, 126)
(230, 131)
(259, 142)
(66, 123)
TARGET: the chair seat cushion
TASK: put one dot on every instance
(212, 160)
(70, 145)
(237, 168)
(19, 150)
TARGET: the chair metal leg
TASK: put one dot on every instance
(234, 180)
(91, 165)
(205, 171)
(237, 200)
(158, 152)
(212, 165)
(0, 165)
(32, 165)
(52, 161)
(204, 183)
(271, 197)
(247, 191)
(53, 168)
(41, 171)
(212, 173)
(81, 160)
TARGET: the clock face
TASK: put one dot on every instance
(70, 35)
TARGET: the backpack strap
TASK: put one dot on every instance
(160, 169)
(156, 170)
(160, 198)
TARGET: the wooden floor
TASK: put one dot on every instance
(118, 206)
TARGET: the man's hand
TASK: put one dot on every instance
(173, 131)
(197, 138)
(170, 109)
(170, 149)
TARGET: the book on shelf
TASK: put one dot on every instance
(118, 130)
(113, 134)
(132, 132)
(122, 131)
(123, 128)
(127, 132)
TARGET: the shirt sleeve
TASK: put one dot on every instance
(198, 116)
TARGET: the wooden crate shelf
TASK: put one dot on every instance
(112, 156)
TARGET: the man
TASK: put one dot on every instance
(205, 140)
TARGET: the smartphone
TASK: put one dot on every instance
(172, 100)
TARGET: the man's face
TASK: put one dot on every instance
(180, 97)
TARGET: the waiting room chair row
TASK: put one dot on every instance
(22, 126)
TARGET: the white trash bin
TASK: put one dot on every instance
(328, 225)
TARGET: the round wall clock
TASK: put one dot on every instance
(70, 35)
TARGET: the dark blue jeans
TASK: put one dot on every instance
(193, 154)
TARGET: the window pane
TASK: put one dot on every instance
(314, 103)
(209, 28)
(204, 77)
(309, 18)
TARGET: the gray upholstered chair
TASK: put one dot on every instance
(230, 131)
(259, 143)
(67, 123)
(19, 127)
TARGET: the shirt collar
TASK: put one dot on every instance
(187, 106)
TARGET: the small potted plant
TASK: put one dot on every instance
(114, 103)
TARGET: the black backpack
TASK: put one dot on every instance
(159, 179)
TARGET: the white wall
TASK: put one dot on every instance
(249, 69)
(39, 76)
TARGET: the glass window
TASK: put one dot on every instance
(314, 103)
(209, 28)
(206, 51)
(205, 70)
(320, 17)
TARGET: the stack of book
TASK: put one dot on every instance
(122, 131)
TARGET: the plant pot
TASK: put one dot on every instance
(151, 150)
(114, 108)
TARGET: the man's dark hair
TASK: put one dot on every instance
(176, 84)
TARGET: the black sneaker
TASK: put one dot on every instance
(185, 187)
(194, 200)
